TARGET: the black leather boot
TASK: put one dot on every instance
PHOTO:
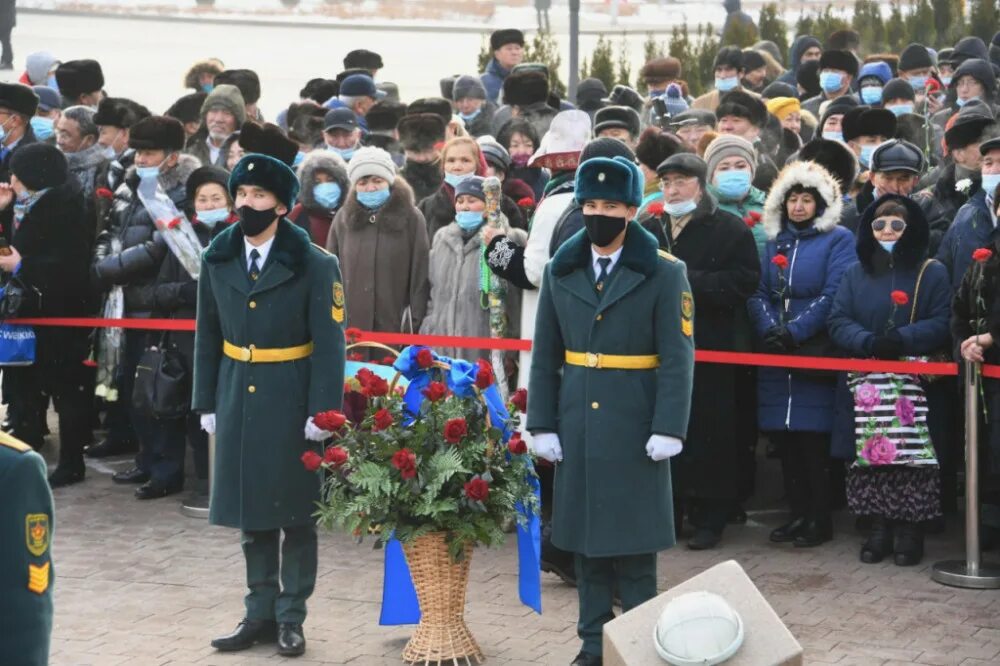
(787, 532)
(555, 560)
(909, 544)
(66, 475)
(816, 531)
(291, 640)
(879, 542)
(248, 633)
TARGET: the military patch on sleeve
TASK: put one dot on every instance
(687, 305)
(38, 577)
(338, 302)
(687, 327)
(36, 533)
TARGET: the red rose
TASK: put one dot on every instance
(520, 399)
(311, 460)
(516, 445)
(477, 490)
(780, 260)
(435, 391)
(364, 375)
(104, 193)
(172, 224)
(355, 356)
(352, 334)
(455, 430)
(525, 202)
(655, 208)
(376, 387)
(388, 360)
(900, 297)
(755, 215)
(383, 419)
(90, 363)
(982, 254)
(335, 455)
(331, 421)
(406, 462)
(484, 376)
(425, 358)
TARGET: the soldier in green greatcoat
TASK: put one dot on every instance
(610, 391)
(26, 522)
(269, 354)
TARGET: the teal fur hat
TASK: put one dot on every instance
(613, 179)
(267, 173)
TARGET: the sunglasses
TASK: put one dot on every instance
(895, 224)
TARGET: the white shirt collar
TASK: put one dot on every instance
(213, 152)
(263, 249)
(614, 257)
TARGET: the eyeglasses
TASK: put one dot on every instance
(895, 224)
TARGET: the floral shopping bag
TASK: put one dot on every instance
(890, 420)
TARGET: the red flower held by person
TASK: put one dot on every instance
(335, 455)
(455, 430)
(172, 224)
(516, 445)
(425, 358)
(983, 254)
(382, 420)
(900, 297)
(104, 193)
(780, 260)
(477, 490)
(484, 376)
(435, 391)
(520, 399)
(752, 219)
(655, 208)
(525, 202)
(311, 460)
(331, 420)
(406, 462)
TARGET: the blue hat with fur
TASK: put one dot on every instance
(613, 179)
(267, 173)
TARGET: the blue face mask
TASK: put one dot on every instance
(732, 185)
(963, 102)
(900, 109)
(454, 179)
(208, 87)
(834, 136)
(42, 127)
(990, 182)
(871, 95)
(373, 200)
(679, 209)
(210, 218)
(831, 82)
(147, 172)
(299, 156)
(327, 195)
(51, 82)
(918, 82)
(469, 117)
(346, 153)
(866, 155)
(727, 83)
(946, 80)
(887, 245)
(469, 220)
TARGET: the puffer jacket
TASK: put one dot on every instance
(493, 79)
(817, 256)
(308, 213)
(131, 224)
(972, 229)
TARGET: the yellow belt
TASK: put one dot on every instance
(613, 362)
(252, 354)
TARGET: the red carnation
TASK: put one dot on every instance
(455, 430)
(90, 363)
(900, 297)
(376, 387)
(477, 490)
(406, 462)
(516, 445)
(982, 254)
(520, 399)
(780, 260)
(352, 334)
(435, 391)
(172, 224)
(525, 202)
(335, 455)
(425, 358)
(655, 208)
(331, 420)
(104, 193)
(484, 376)
(755, 216)
(383, 419)
(311, 460)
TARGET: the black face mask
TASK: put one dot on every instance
(253, 221)
(602, 230)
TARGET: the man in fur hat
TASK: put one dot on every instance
(729, 71)
(507, 46)
(80, 82)
(618, 122)
(837, 70)
(248, 83)
(422, 135)
(526, 95)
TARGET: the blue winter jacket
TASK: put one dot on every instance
(493, 79)
(972, 229)
(817, 257)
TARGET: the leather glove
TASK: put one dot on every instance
(661, 447)
(889, 346)
(314, 433)
(778, 339)
(546, 445)
(208, 423)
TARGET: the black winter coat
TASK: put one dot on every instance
(424, 179)
(439, 210)
(937, 218)
(7, 215)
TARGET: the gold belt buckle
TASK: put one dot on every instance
(246, 354)
(593, 360)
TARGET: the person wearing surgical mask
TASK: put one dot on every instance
(732, 164)
(455, 273)
(49, 109)
(837, 70)
(324, 190)
(461, 159)
(341, 132)
(916, 67)
(721, 256)
(729, 71)
(472, 106)
(864, 129)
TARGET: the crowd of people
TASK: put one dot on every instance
(839, 206)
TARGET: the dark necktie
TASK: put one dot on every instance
(603, 262)
(254, 266)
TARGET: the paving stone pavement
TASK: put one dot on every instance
(139, 583)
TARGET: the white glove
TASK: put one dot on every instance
(546, 445)
(208, 423)
(661, 447)
(314, 434)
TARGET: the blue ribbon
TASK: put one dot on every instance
(399, 598)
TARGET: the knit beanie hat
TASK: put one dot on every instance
(782, 107)
(370, 161)
(898, 89)
(468, 86)
(730, 145)
(472, 186)
(39, 165)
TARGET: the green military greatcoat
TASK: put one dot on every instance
(259, 482)
(610, 498)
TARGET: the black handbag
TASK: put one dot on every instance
(162, 388)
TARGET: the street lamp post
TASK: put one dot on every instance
(574, 48)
